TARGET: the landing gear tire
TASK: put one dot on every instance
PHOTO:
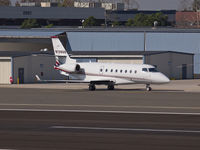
(111, 87)
(148, 88)
(92, 87)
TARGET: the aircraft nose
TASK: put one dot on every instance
(165, 79)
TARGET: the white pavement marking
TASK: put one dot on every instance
(102, 111)
(125, 129)
(7, 149)
(102, 106)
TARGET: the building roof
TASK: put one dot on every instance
(83, 53)
(22, 53)
(31, 33)
(50, 13)
(47, 33)
(123, 52)
(143, 11)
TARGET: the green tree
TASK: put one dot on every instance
(129, 22)
(91, 21)
(115, 23)
(148, 20)
(30, 23)
(160, 18)
(141, 20)
(49, 26)
(196, 5)
(5, 3)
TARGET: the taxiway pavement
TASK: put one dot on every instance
(56, 116)
(98, 131)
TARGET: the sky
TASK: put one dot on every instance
(153, 4)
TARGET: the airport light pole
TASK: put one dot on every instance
(144, 41)
(105, 18)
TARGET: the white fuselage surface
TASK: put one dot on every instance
(105, 73)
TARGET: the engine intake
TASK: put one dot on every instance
(73, 67)
(78, 67)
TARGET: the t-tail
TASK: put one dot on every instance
(60, 52)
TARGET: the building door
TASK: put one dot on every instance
(21, 75)
(5, 71)
(184, 71)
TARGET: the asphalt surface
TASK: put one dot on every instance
(102, 100)
(98, 131)
(100, 120)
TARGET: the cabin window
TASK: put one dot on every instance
(111, 70)
(152, 70)
(130, 71)
(144, 69)
(101, 70)
(135, 71)
(116, 70)
(121, 71)
(106, 70)
(125, 71)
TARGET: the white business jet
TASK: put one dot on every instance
(109, 74)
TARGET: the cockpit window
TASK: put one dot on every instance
(152, 70)
(144, 69)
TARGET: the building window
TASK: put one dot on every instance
(130, 71)
(135, 71)
(125, 71)
(101, 70)
(116, 70)
(111, 70)
(27, 13)
(121, 71)
(106, 70)
(41, 66)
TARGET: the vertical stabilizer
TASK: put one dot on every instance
(60, 52)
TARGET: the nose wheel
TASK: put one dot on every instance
(148, 88)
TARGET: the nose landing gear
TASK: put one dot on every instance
(92, 87)
(148, 88)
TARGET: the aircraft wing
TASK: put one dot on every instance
(73, 81)
(59, 81)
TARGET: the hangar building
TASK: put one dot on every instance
(22, 52)
(23, 67)
(173, 64)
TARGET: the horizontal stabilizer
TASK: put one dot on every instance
(59, 81)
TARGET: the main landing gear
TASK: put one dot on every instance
(110, 85)
(148, 88)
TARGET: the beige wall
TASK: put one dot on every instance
(127, 61)
(171, 64)
(34, 65)
(5, 70)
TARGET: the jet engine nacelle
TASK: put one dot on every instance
(74, 67)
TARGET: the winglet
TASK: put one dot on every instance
(37, 78)
(53, 37)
